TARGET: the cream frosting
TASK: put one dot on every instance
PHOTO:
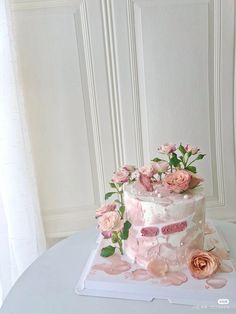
(174, 221)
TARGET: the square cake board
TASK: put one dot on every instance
(193, 292)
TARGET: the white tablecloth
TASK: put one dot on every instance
(47, 287)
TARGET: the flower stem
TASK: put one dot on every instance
(120, 246)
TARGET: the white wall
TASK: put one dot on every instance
(106, 81)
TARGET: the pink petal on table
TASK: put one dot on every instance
(157, 267)
(225, 268)
(115, 265)
(215, 283)
(138, 274)
(221, 253)
(174, 278)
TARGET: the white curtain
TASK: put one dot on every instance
(21, 230)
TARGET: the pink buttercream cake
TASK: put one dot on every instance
(164, 224)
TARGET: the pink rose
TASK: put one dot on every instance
(195, 180)
(178, 181)
(167, 148)
(147, 170)
(129, 168)
(202, 264)
(110, 221)
(146, 182)
(161, 166)
(105, 208)
(121, 176)
(191, 149)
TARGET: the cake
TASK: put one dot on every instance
(157, 215)
(154, 237)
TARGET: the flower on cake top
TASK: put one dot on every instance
(167, 148)
(176, 172)
(191, 149)
(177, 181)
(161, 166)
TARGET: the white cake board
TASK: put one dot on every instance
(192, 292)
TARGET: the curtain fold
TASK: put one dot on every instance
(22, 237)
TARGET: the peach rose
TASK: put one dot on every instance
(105, 208)
(121, 176)
(110, 221)
(167, 148)
(177, 181)
(191, 149)
(202, 264)
(161, 166)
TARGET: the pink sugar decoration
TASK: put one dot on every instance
(177, 227)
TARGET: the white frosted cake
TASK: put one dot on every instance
(163, 224)
(156, 219)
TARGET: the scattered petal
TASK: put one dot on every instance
(225, 268)
(138, 274)
(216, 283)
(157, 267)
(174, 278)
(221, 253)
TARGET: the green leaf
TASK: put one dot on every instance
(200, 156)
(122, 210)
(114, 237)
(174, 161)
(189, 154)
(182, 149)
(108, 251)
(192, 169)
(108, 195)
(112, 185)
(156, 159)
(125, 232)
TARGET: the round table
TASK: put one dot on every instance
(48, 285)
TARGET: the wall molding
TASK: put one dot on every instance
(134, 10)
(69, 221)
(90, 84)
(113, 81)
(135, 85)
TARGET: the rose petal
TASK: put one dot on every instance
(157, 267)
(174, 278)
(138, 274)
(221, 253)
(225, 268)
(216, 283)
